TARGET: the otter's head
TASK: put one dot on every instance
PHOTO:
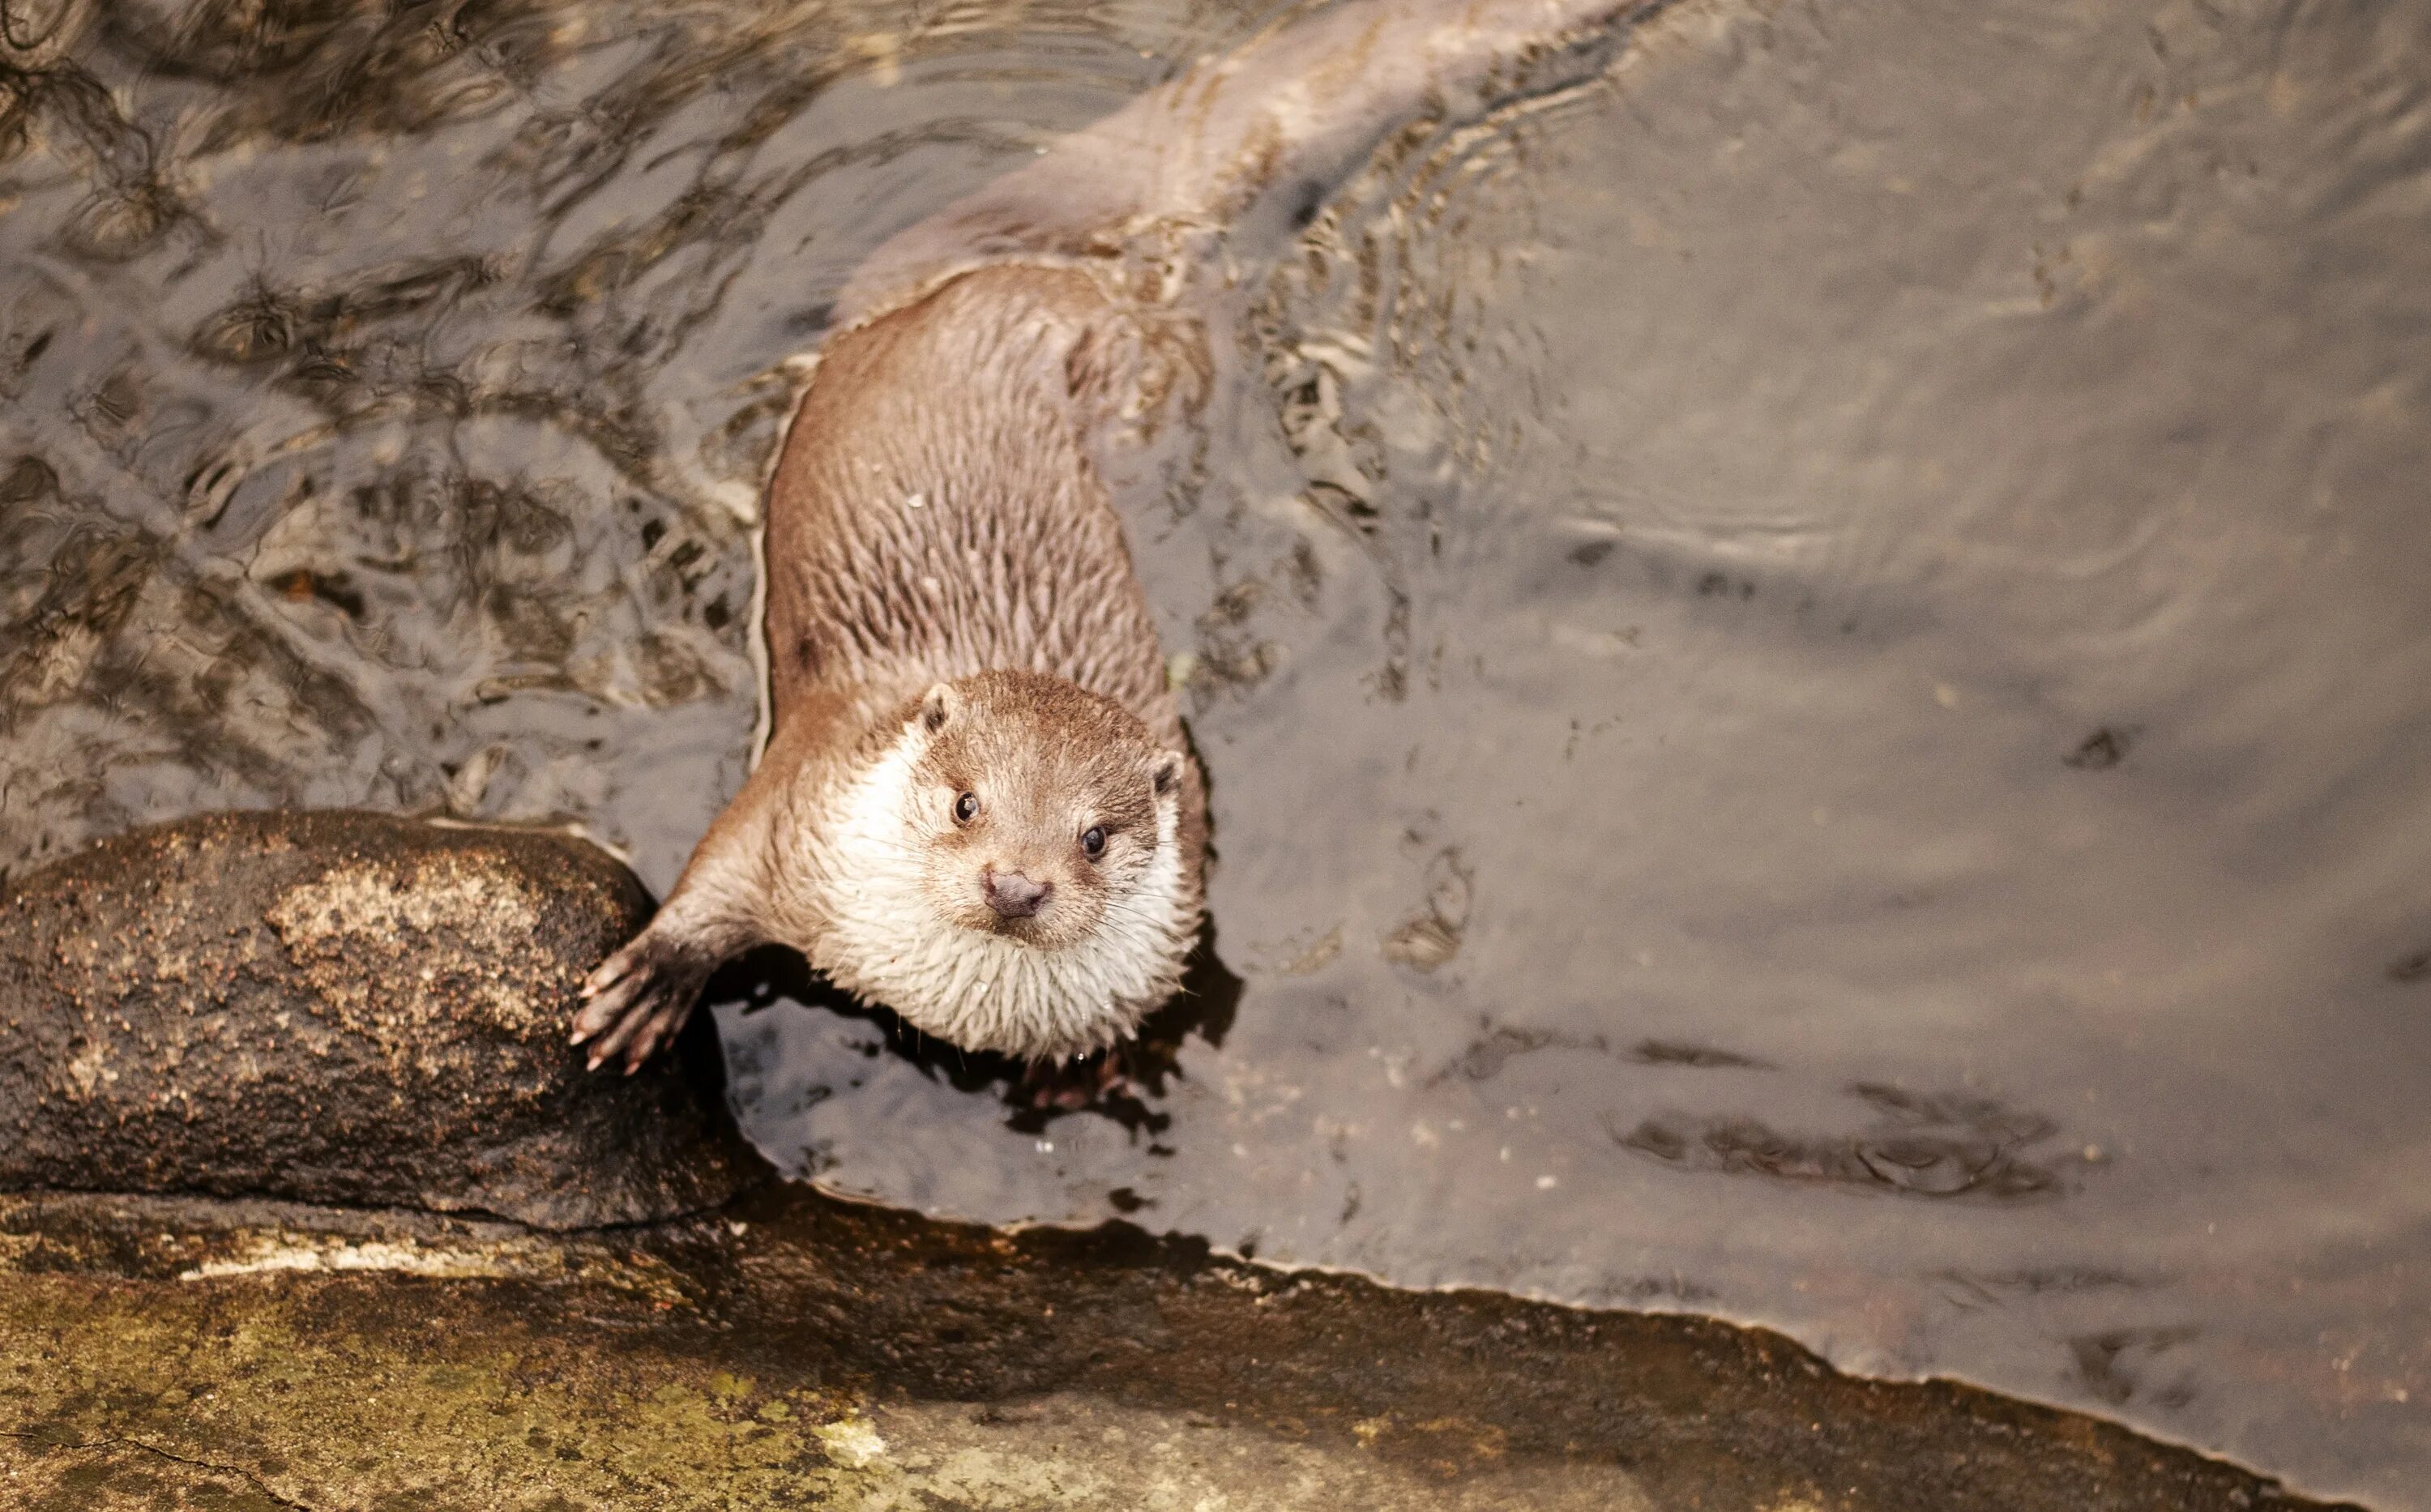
(1009, 874)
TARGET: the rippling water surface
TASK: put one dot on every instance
(1815, 659)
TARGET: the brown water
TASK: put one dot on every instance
(1816, 661)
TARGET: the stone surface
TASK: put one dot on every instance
(335, 1007)
(794, 1352)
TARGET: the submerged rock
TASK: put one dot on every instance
(338, 1007)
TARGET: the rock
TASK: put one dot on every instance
(796, 1351)
(341, 1008)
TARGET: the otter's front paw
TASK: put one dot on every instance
(1050, 1087)
(638, 998)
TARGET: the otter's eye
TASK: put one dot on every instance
(966, 808)
(1093, 840)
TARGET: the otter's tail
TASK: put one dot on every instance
(1239, 145)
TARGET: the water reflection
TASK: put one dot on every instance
(1813, 660)
(1128, 1087)
(1916, 1145)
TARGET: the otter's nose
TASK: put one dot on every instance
(1013, 895)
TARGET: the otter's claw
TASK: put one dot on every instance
(636, 1000)
(1051, 1087)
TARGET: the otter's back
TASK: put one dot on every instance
(935, 512)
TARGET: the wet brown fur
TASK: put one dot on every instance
(1046, 763)
(979, 399)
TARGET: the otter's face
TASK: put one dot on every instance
(1039, 815)
(1010, 873)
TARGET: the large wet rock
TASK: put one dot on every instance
(792, 1352)
(342, 1008)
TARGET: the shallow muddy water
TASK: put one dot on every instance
(1815, 659)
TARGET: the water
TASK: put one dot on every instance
(1814, 660)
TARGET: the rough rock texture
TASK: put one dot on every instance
(792, 1352)
(339, 1007)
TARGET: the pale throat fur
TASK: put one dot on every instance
(1008, 862)
(1010, 873)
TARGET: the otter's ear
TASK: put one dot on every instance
(938, 705)
(1166, 773)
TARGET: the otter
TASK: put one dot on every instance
(976, 804)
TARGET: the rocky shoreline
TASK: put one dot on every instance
(316, 1210)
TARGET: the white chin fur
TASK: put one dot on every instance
(886, 942)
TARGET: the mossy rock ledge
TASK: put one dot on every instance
(342, 1008)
